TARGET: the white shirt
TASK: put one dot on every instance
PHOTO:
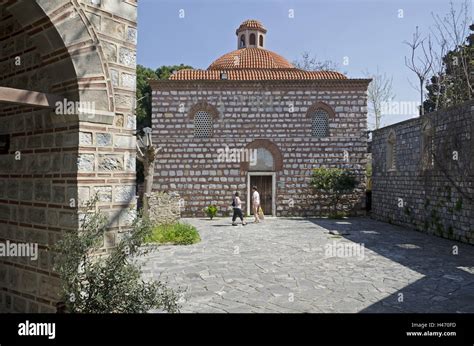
(256, 197)
(238, 202)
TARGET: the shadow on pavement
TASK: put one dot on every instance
(444, 279)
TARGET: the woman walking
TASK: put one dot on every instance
(237, 205)
(255, 203)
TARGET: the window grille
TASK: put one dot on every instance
(320, 125)
(202, 124)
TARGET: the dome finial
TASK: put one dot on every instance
(250, 34)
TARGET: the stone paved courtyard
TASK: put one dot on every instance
(281, 266)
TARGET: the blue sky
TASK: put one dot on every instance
(368, 32)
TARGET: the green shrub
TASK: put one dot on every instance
(176, 233)
(112, 283)
(211, 211)
(334, 182)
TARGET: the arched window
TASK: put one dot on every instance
(263, 161)
(252, 39)
(242, 41)
(320, 124)
(203, 124)
(268, 156)
(260, 40)
(427, 145)
(391, 144)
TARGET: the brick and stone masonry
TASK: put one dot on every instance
(275, 115)
(253, 101)
(83, 52)
(430, 186)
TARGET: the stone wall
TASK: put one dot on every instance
(431, 188)
(164, 208)
(251, 111)
(83, 53)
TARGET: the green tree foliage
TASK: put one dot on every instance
(164, 72)
(107, 284)
(452, 86)
(144, 95)
(143, 111)
(144, 90)
(335, 183)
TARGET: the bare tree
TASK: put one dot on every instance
(311, 63)
(438, 67)
(380, 91)
(147, 155)
(420, 62)
(453, 30)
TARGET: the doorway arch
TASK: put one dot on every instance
(263, 173)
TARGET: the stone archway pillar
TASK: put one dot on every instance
(83, 53)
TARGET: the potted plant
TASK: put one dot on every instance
(211, 211)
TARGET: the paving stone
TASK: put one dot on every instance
(281, 267)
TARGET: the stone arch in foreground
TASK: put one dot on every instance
(52, 159)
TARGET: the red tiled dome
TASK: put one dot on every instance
(251, 24)
(253, 64)
(250, 58)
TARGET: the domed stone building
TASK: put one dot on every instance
(252, 118)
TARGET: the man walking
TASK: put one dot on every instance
(255, 203)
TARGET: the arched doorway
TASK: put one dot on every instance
(262, 173)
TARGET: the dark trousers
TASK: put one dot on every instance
(237, 213)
